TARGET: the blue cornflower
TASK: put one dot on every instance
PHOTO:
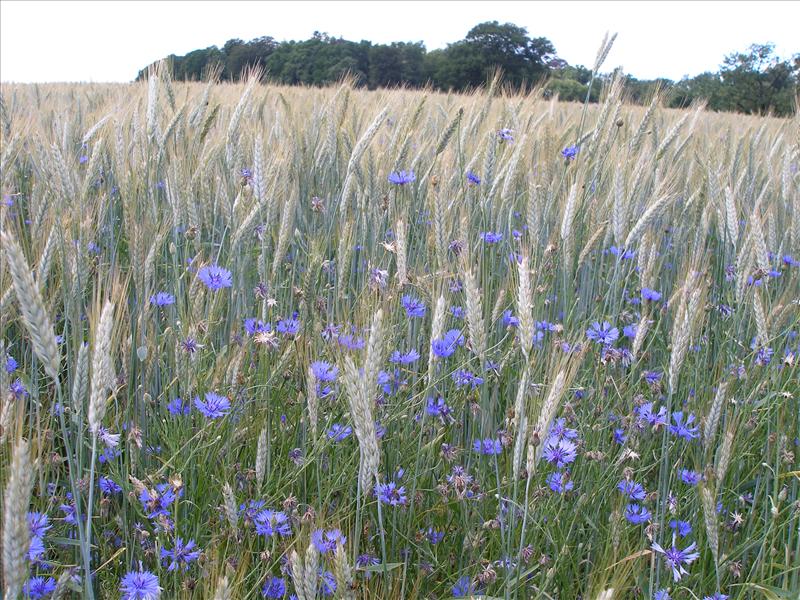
(404, 358)
(509, 320)
(463, 377)
(180, 555)
(327, 582)
(681, 429)
(490, 237)
(324, 371)
(17, 389)
(634, 491)
(108, 486)
(645, 414)
(448, 344)
(140, 585)
(661, 594)
(35, 549)
(457, 312)
(619, 436)
(39, 587)
(326, 541)
(177, 407)
(434, 537)
(38, 524)
(487, 447)
(652, 295)
(629, 331)
(254, 326)
(390, 493)
(288, 326)
(637, 514)
(438, 408)
(402, 177)
(214, 406)
(559, 452)
(570, 152)
(676, 558)
(414, 306)
(11, 364)
(560, 431)
(339, 432)
(652, 377)
(506, 134)
(683, 528)
(162, 299)
(275, 587)
(690, 477)
(464, 588)
(270, 523)
(215, 277)
(716, 596)
(157, 502)
(559, 482)
(473, 178)
(603, 334)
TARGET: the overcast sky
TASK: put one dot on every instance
(111, 41)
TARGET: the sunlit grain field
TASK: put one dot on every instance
(263, 341)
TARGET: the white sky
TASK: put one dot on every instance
(111, 40)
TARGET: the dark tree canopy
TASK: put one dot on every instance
(753, 81)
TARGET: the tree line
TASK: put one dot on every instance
(753, 81)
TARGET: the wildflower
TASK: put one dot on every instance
(559, 452)
(506, 134)
(404, 358)
(111, 440)
(215, 277)
(681, 429)
(487, 447)
(646, 415)
(560, 431)
(162, 299)
(326, 541)
(438, 408)
(559, 482)
(652, 295)
(676, 558)
(390, 493)
(637, 514)
(39, 587)
(690, 477)
(190, 345)
(38, 524)
(254, 326)
(402, 177)
(457, 312)
(275, 587)
(414, 306)
(629, 331)
(509, 320)
(156, 502)
(271, 522)
(716, 596)
(683, 528)
(619, 436)
(324, 371)
(214, 406)
(339, 432)
(463, 377)
(473, 178)
(489, 237)
(176, 407)
(288, 327)
(661, 594)
(108, 486)
(180, 555)
(633, 490)
(464, 588)
(602, 334)
(35, 549)
(367, 560)
(327, 582)
(378, 278)
(570, 152)
(17, 389)
(11, 364)
(434, 537)
(140, 585)
(447, 345)
(652, 377)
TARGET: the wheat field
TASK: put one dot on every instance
(275, 342)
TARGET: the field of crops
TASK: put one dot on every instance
(282, 342)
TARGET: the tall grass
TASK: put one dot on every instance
(457, 373)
